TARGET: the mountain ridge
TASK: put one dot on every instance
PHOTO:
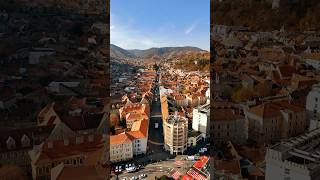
(116, 51)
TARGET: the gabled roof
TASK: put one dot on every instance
(29, 132)
(272, 109)
(62, 172)
(83, 122)
(58, 150)
(139, 129)
(119, 139)
(199, 164)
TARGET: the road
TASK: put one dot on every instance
(159, 169)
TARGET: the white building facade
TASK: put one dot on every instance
(201, 119)
(295, 159)
(313, 107)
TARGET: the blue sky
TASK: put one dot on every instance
(142, 24)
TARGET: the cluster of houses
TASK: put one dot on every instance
(54, 90)
(131, 99)
(265, 91)
(185, 107)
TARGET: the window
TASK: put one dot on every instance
(287, 171)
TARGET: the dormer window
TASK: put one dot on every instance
(25, 141)
(11, 143)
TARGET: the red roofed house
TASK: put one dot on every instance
(127, 144)
(133, 117)
(120, 148)
(273, 121)
(76, 152)
(139, 136)
(198, 171)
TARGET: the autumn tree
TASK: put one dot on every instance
(242, 94)
(262, 89)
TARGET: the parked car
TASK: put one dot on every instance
(131, 168)
(134, 178)
(118, 169)
(142, 176)
(190, 158)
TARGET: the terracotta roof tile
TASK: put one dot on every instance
(119, 139)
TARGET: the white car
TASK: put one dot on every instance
(118, 169)
(131, 168)
(142, 176)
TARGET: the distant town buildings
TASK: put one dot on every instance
(130, 117)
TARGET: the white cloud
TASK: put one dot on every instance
(190, 28)
(127, 36)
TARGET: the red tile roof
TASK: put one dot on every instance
(201, 162)
(139, 129)
(59, 150)
(119, 139)
(195, 174)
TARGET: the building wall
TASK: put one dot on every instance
(200, 122)
(34, 56)
(121, 152)
(314, 63)
(276, 169)
(277, 127)
(176, 137)
(263, 130)
(17, 157)
(140, 146)
(224, 131)
(313, 103)
(293, 123)
(43, 171)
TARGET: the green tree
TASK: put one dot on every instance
(123, 123)
(113, 130)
